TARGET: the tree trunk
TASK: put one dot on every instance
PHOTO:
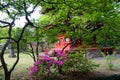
(60, 70)
(32, 51)
(12, 55)
(37, 49)
(7, 76)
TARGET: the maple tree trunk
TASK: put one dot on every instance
(7, 76)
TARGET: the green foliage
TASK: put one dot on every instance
(77, 62)
(44, 20)
(85, 19)
(30, 35)
(48, 36)
(16, 32)
(3, 33)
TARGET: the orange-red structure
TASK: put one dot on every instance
(63, 41)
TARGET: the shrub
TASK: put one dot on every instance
(109, 60)
(77, 62)
(46, 65)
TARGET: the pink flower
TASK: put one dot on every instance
(35, 68)
(55, 61)
(58, 51)
(30, 73)
(37, 63)
(47, 61)
(50, 55)
(60, 63)
(46, 58)
(46, 53)
(50, 62)
(61, 55)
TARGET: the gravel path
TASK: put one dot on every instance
(101, 58)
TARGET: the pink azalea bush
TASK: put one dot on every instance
(47, 65)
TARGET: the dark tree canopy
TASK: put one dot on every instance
(85, 19)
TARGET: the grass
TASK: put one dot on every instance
(104, 69)
(21, 68)
(25, 60)
(21, 72)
